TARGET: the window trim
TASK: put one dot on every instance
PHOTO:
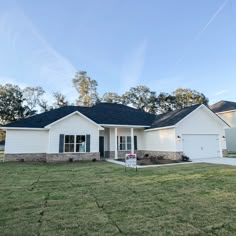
(126, 142)
(75, 143)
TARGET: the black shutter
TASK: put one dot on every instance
(118, 148)
(87, 142)
(135, 143)
(61, 143)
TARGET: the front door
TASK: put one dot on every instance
(101, 146)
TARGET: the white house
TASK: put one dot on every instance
(227, 111)
(112, 130)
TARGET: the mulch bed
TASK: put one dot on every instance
(153, 161)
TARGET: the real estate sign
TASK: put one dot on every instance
(131, 160)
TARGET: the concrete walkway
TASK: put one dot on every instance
(218, 160)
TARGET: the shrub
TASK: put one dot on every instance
(94, 159)
(185, 158)
(71, 159)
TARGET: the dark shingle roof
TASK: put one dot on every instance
(223, 106)
(173, 117)
(106, 113)
(102, 113)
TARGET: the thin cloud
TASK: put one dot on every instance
(200, 33)
(221, 92)
(133, 67)
(44, 65)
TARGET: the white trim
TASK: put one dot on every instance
(166, 127)
(211, 113)
(222, 112)
(132, 140)
(23, 128)
(71, 114)
(115, 137)
(125, 126)
(75, 143)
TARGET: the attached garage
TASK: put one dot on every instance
(197, 146)
(194, 131)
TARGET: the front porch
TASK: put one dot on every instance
(117, 141)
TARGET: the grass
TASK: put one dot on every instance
(102, 199)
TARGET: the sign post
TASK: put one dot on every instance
(131, 161)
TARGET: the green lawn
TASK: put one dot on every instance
(102, 199)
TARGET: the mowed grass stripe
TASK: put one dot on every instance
(102, 199)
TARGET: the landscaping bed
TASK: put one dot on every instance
(156, 160)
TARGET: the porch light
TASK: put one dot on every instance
(223, 138)
(178, 138)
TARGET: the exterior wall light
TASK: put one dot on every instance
(178, 138)
(223, 138)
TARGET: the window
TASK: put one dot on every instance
(125, 143)
(128, 142)
(122, 143)
(80, 143)
(74, 143)
(69, 143)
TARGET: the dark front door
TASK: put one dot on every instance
(101, 146)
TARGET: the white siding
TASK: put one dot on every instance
(73, 125)
(126, 132)
(26, 141)
(200, 122)
(160, 140)
(229, 117)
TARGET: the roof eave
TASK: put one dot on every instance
(159, 128)
(23, 128)
(124, 126)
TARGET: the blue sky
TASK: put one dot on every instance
(164, 44)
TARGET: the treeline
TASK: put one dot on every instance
(17, 103)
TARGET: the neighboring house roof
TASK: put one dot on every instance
(173, 117)
(222, 106)
(102, 113)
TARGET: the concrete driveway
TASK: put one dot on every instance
(218, 160)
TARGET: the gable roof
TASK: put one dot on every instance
(173, 117)
(102, 113)
(222, 106)
(107, 114)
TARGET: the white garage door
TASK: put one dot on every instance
(201, 146)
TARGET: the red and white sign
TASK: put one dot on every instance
(130, 160)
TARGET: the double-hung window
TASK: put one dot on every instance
(122, 142)
(125, 143)
(75, 143)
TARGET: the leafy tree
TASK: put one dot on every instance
(141, 97)
(166, 103)
(60, 100)
(33, 98)
(44, 106)
(11, 103)
(185, 97)
(111, 98)
(87, 89)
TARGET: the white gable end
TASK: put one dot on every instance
(73, 125)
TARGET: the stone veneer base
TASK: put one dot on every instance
(53, 157)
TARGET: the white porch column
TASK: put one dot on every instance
(132, 140)
(115, 140)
